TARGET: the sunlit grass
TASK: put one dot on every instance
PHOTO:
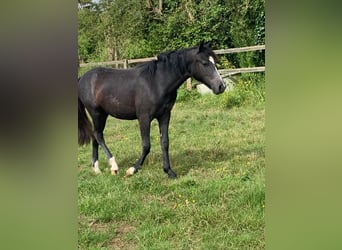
(217, 201)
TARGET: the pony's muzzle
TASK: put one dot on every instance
(220, 88)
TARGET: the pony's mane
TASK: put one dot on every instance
(148, 68)
(175, 59)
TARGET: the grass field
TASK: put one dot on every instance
(217, 201)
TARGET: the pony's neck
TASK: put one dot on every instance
(178, 70)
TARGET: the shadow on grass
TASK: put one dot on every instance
(202, 159)
(199, 159)
(188, 158)
(185, 160)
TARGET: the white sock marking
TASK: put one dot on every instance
(114, 166)
(96, 168)
(130, 171)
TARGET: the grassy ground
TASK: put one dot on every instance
(217, 202)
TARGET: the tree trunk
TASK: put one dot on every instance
(191, 17)
(161, 6)
(149, 4)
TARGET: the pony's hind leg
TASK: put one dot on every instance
(99, 120)
(95, 161)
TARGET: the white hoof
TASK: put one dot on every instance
(114, 166)
(130, 171)
(96, 168)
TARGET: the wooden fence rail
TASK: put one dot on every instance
(224, 72)
(126, 62)
(229, 72)
(238, 50)
(108, 63)
(140, 60)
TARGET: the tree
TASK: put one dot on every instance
(88, 33)
(247, 27)
(114, 29)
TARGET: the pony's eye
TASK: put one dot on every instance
(205, 63)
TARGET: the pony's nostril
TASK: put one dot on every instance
(222, 87)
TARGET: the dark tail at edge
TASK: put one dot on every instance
(85, 131)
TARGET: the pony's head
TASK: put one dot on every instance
(203, 68)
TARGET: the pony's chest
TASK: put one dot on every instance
(165, 104)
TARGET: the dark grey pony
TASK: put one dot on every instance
(144, 92)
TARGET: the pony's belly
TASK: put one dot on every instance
(124, 116)
(123, 112)
(118, 108)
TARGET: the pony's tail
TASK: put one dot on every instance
(85, 131)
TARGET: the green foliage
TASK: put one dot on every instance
(137, 28)
(247, 27)
(87, 34)
(137, 48)
(85, 48)
(236, 97)
(249, 90)
(224, 63)
(185, 95)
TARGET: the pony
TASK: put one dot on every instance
(145, 92)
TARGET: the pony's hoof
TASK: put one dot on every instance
(97, 171)
(114, 166)
(172, 175)
(130, 172)
(96, 168)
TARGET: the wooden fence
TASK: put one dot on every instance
(229, 72)
(223, 72)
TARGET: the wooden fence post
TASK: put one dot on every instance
(188, 84)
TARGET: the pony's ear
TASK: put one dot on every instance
(201, 46)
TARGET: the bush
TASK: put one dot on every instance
(184, 94)
(234, 98)
(249, 90)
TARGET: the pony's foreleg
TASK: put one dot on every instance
(114, 169)
(145, 125)
(164, 143)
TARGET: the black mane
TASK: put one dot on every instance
(174, 60)
(148, 68)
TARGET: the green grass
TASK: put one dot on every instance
(217, 201)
